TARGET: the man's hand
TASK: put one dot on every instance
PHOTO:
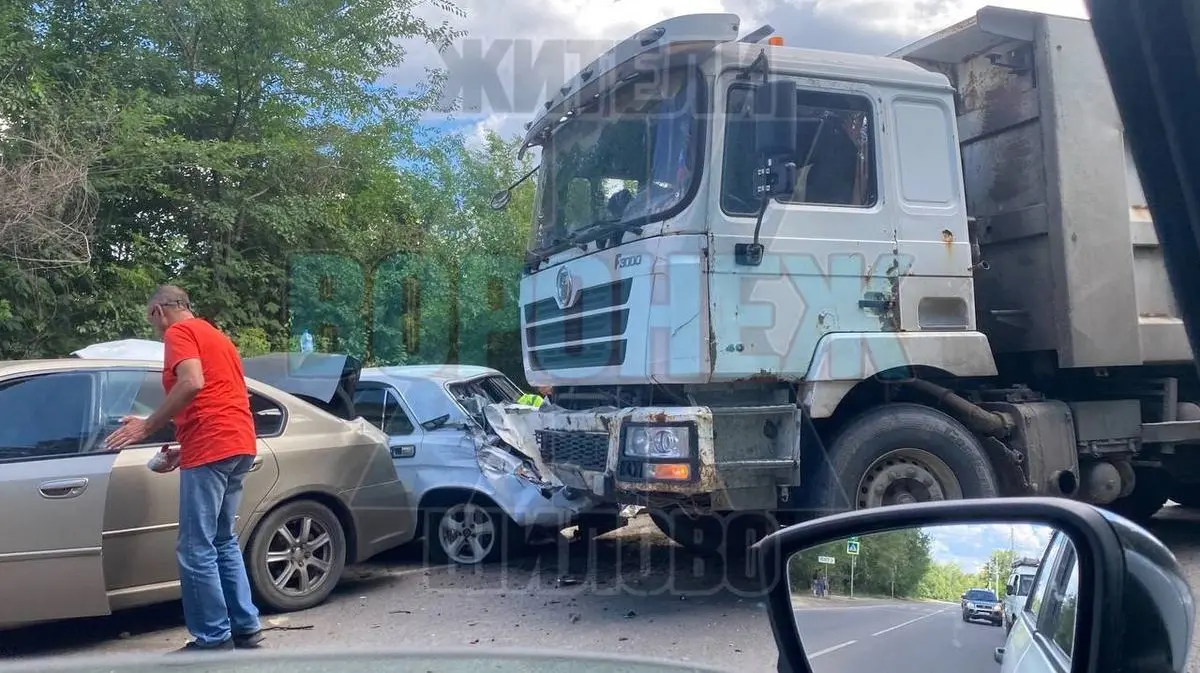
(132, 431)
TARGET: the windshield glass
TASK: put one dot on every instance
(980, 595)
(629, 160)
(1024, 585)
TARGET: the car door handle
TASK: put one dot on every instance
(256, 463)
(63, 488)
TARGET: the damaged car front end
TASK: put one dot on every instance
(459, 443)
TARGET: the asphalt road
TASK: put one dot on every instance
(635, 594)
(899, 637)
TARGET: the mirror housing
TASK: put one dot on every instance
(773, 112)
(435, 423)
(1135, 607)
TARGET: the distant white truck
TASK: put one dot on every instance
(1020, 582)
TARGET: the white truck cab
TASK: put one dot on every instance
(772, 281)
(1017, 588)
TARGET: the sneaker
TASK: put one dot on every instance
(248, 641)
(194, 646)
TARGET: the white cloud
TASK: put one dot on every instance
(971, 545)
(540, 43)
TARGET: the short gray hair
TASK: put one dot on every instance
(170, 296)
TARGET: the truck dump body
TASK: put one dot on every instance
(1073, 265)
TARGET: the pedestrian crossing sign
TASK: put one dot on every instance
(852, 546)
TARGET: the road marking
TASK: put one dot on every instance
(835, 648)
(893, 628)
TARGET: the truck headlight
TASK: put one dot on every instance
(658, 441)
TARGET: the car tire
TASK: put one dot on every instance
(470, 517)
(869, 462)
(313, 537)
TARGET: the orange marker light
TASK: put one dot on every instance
(775, 41)
(671, 471)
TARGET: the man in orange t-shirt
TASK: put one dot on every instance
(209, 402)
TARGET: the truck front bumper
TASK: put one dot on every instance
(727, 454)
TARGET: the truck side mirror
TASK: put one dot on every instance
(774, 113)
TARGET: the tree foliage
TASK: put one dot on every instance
(888, 564)
(249, 152)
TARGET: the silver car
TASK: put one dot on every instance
(1042, 638)
(478, 497)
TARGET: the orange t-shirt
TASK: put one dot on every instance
(217, 423)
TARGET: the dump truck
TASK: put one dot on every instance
(767, 283)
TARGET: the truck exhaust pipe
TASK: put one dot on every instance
(968, 413)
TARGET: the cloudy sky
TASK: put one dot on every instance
(532, 46)
(969, 547)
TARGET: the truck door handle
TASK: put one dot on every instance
(63, 488)
(874, 300)
(256, 463)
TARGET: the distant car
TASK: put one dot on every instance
(88, 531)
(982, 604)
(476, 500)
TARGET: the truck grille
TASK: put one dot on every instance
(553, 333)
(587, 450)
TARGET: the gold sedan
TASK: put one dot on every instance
(85, 532)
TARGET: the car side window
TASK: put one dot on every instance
(132, 392)
(268, 416)
(1068, 599)
(1043, 581)
(380, 406)
(70, 430)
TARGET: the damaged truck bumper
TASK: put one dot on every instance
(735, 458)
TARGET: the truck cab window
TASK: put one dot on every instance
(834, 154)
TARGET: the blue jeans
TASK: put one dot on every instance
(212, 575)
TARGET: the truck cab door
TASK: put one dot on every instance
(54, 478)
(829, 244)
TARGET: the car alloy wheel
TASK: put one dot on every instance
(468, 533)
(300, 556)
(296, 556)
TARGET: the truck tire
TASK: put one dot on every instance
(1150, 490)
(726, 533)
(1187, 495)
(897, 454)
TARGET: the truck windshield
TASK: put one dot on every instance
(1024, 584)
(626, 162)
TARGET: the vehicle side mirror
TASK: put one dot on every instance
(774, 113)
(435, 423)
(1115, 592)
(1009, 589)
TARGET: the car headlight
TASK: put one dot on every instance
(495, 462)
(970, 606)
(658, 441)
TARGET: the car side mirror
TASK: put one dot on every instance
(1115, 590)
(435, 423)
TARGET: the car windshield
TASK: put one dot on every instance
(980, 595)
(629, 160)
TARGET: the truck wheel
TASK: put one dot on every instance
(1187, 495)
(728, 533)
(1150, 490)
(897, 454)
(701, 534)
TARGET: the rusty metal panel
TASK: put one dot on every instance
(1073, 266)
